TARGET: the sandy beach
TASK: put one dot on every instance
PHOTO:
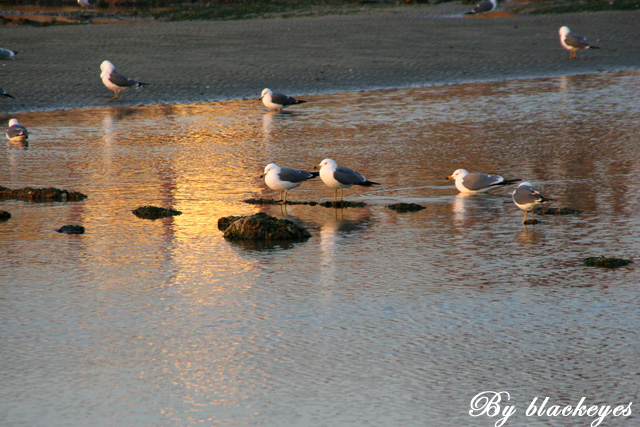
(58, 67)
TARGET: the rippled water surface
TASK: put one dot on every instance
(380, 318)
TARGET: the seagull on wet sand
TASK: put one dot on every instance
(115, 81)
(341, 177)
(17, 132)
(526, 197)
(277, 101)
(478, 182)
(8, 54)
(573, 42)
(284, 179)
(484, 6)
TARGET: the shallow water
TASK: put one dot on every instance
(380, 318)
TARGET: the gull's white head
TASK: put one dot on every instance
(266, 91)
(328, 163)
(564, 30)
(13, 122)
(458, 174)
(106, 65)
(271, 167)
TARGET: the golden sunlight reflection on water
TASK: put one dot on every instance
(380, 317)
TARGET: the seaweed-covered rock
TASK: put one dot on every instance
(49, 194)
(226, 221)
(4, 216)
(543, 210)
(71, 229)
(153, 212)
(264, 227)
(343, 204)
(276, 202)
(406, 207)
(606, 262)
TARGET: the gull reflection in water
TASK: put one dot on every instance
(469, 209)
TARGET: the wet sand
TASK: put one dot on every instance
(209, 61)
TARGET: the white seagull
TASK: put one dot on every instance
(340, 177)
(8, 54)
(115, 81)
(478, 182)
(17, 132)
(485, 6)
(87, 3)
(526, 197)
(573, 42)
(284, 179)
(277, 101)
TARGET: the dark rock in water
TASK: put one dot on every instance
(406, 207)
(226, 221)
(276, 202)
(532, 222)
(343, 204)
(555, 211)
(71, 229)
(264, 227)
(4, 216)
(48, 194)
(153, 212)
(606, 262)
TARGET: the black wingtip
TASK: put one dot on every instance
(301, 101)
(369, 183)
(143, 84)
(511, 181)
(594, 47)
(315, 174)
(8, 96)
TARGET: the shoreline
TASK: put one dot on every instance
(211, 61)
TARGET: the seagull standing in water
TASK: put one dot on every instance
(4, 93)
(284, 179)
(526, 197)
(340, 177)
(573, 42)
(115, 81)
(478, 182)
(17, 132)
(485, 6)
(277, 101)
(8, 54)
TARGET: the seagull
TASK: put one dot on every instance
(484, 6)
(478, 182)
(526, 197)
(17, 132)
(277, 101)
(573, 42)
(8, 54)
(284, 179)
(4, 93)
(340, 177)
(114, 80)
(86, 3)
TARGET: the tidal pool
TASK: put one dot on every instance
(380, 318)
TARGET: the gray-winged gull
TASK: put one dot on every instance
(284, 179)
(8, 54)
(4, 93)
(115, 81)
(17, 132)
(483, 7)
(573, 42)
(475, 182)
(341, 177)
(277, 101)
(526, 197)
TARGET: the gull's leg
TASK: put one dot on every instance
(525, 217)
(285, 197)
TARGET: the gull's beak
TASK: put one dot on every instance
(262, 175)
(449, 177)
(316, 167)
